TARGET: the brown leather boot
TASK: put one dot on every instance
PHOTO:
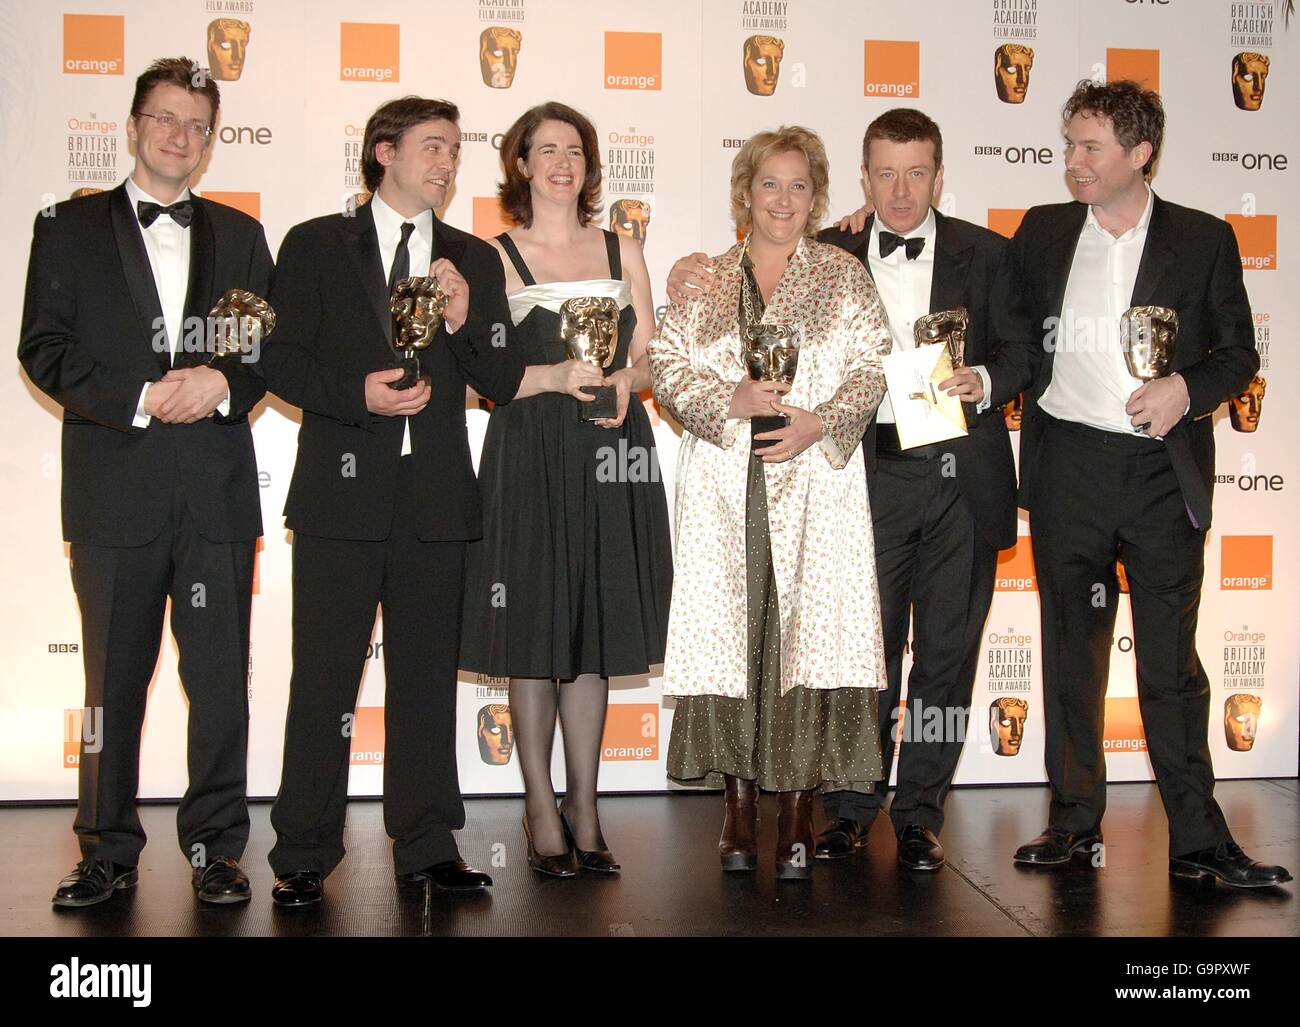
(794, 836)
(738, 846)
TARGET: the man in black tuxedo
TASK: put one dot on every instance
(160, 496)
(383, 500)
(1111, 467)
(941, 512)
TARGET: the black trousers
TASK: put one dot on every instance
(122, 592)
(932, 566)
(337, 586)
(1101, 495)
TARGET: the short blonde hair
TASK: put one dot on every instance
(763, 145)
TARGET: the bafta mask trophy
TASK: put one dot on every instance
(589, 328)
(947, 327)
(417, 305)
(771, 354)
(238, 323)
(1147, 336)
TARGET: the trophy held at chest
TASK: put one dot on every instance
(1147, 335)
(416, 305)
(589, 328)
(238, 323)
(771, 354)
(949, 328)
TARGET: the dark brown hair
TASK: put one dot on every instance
(904, 125)
(389, 123)
(176, 71)
(1136, 115)
(516, 193)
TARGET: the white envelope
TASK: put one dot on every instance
(923, 413)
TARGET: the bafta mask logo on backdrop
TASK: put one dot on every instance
(1013, 413)
(762, 61)
(498, 55)
(227, 48)
(1012, 63)
(1241, 721)
(1244, 410)
(496, 735)
(630, 218)
(91, 190)
(1007, 724)
(1249, 76)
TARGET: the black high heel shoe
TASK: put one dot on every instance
(599, 860)
(563, 865)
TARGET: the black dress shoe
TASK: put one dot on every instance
(221, 882)
(94, 881)
(1230, 865)
(450, 875)
(841, 839)
(1057, 845)
(301, 888)
(919, 849)
(599, 860)
(563, 865)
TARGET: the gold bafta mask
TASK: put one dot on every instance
(1148, 335)
(227, 47)
(496, 735)
(85, 190)
(498, 55)
(771, 352)
(238, 323)
(1007, 724)
(589, 328)
(1249, 75)
(417, 305)
(1014, 412)
(1244, 409)
(1012, 63)
(1241, 721)
(946, 326)
(762, 60)
(630, 218)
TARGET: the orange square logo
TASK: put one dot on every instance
(94, 44)
(631, 732)
(369, 53)
(1016, 568)
(1124, 731)
(634, 60)
(489, 219)
(249, 203)
(72, 723)
(1142, 66)
(368, 736)
(1256, 239)
(1005, 220)
(891, 67)
(1246, 563)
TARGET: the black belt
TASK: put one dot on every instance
(887, 445)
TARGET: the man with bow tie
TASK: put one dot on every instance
(940, 513)
(160, 494)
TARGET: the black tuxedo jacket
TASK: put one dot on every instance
(90, 318)
(966, 261)
(1190, 263)
(332, 300)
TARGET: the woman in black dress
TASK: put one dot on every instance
(570, 583)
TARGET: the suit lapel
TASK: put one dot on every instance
(363, 250)
(1158, 254)
(198, 292)
(138, 273)
(1058, 256)
(445, 245)
(951, 268)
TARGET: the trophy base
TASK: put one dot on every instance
(605, 404)
(765, 423)
(411, 374)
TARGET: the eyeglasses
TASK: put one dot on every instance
(167, 122)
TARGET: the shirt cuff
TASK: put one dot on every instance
(987, 401)
(141, 419)
(223, 408)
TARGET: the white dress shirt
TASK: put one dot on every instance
(904, 288)
(388, 227)
(1090, 381)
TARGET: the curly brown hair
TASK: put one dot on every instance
(1136, 115)
(516, 193)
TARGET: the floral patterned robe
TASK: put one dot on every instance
(820, 522)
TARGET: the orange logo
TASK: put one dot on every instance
(1246, 562)
(367, 726)
(1257, 240)
(93, 44)
(1124, 731)
(1142, 66)
(489, 219)
(1005, 220)
(249, 203)
(1122, 576)
(631, 732)
(369, 53)
(1016, 568)
(72, 721)
(891, 67)
(634, 60)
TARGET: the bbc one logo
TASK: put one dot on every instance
(93, 44)
(1017, 154)
(369, 53)
(1253, 161)
(891, 68)
(634, 60)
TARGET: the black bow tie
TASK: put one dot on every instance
(889, 242)
(182, 212)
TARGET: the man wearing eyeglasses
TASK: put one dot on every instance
(160, 495)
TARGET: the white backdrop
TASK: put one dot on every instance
(664, 84)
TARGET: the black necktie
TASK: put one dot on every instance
(182, 212)
(402, 258)
(889, 242)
